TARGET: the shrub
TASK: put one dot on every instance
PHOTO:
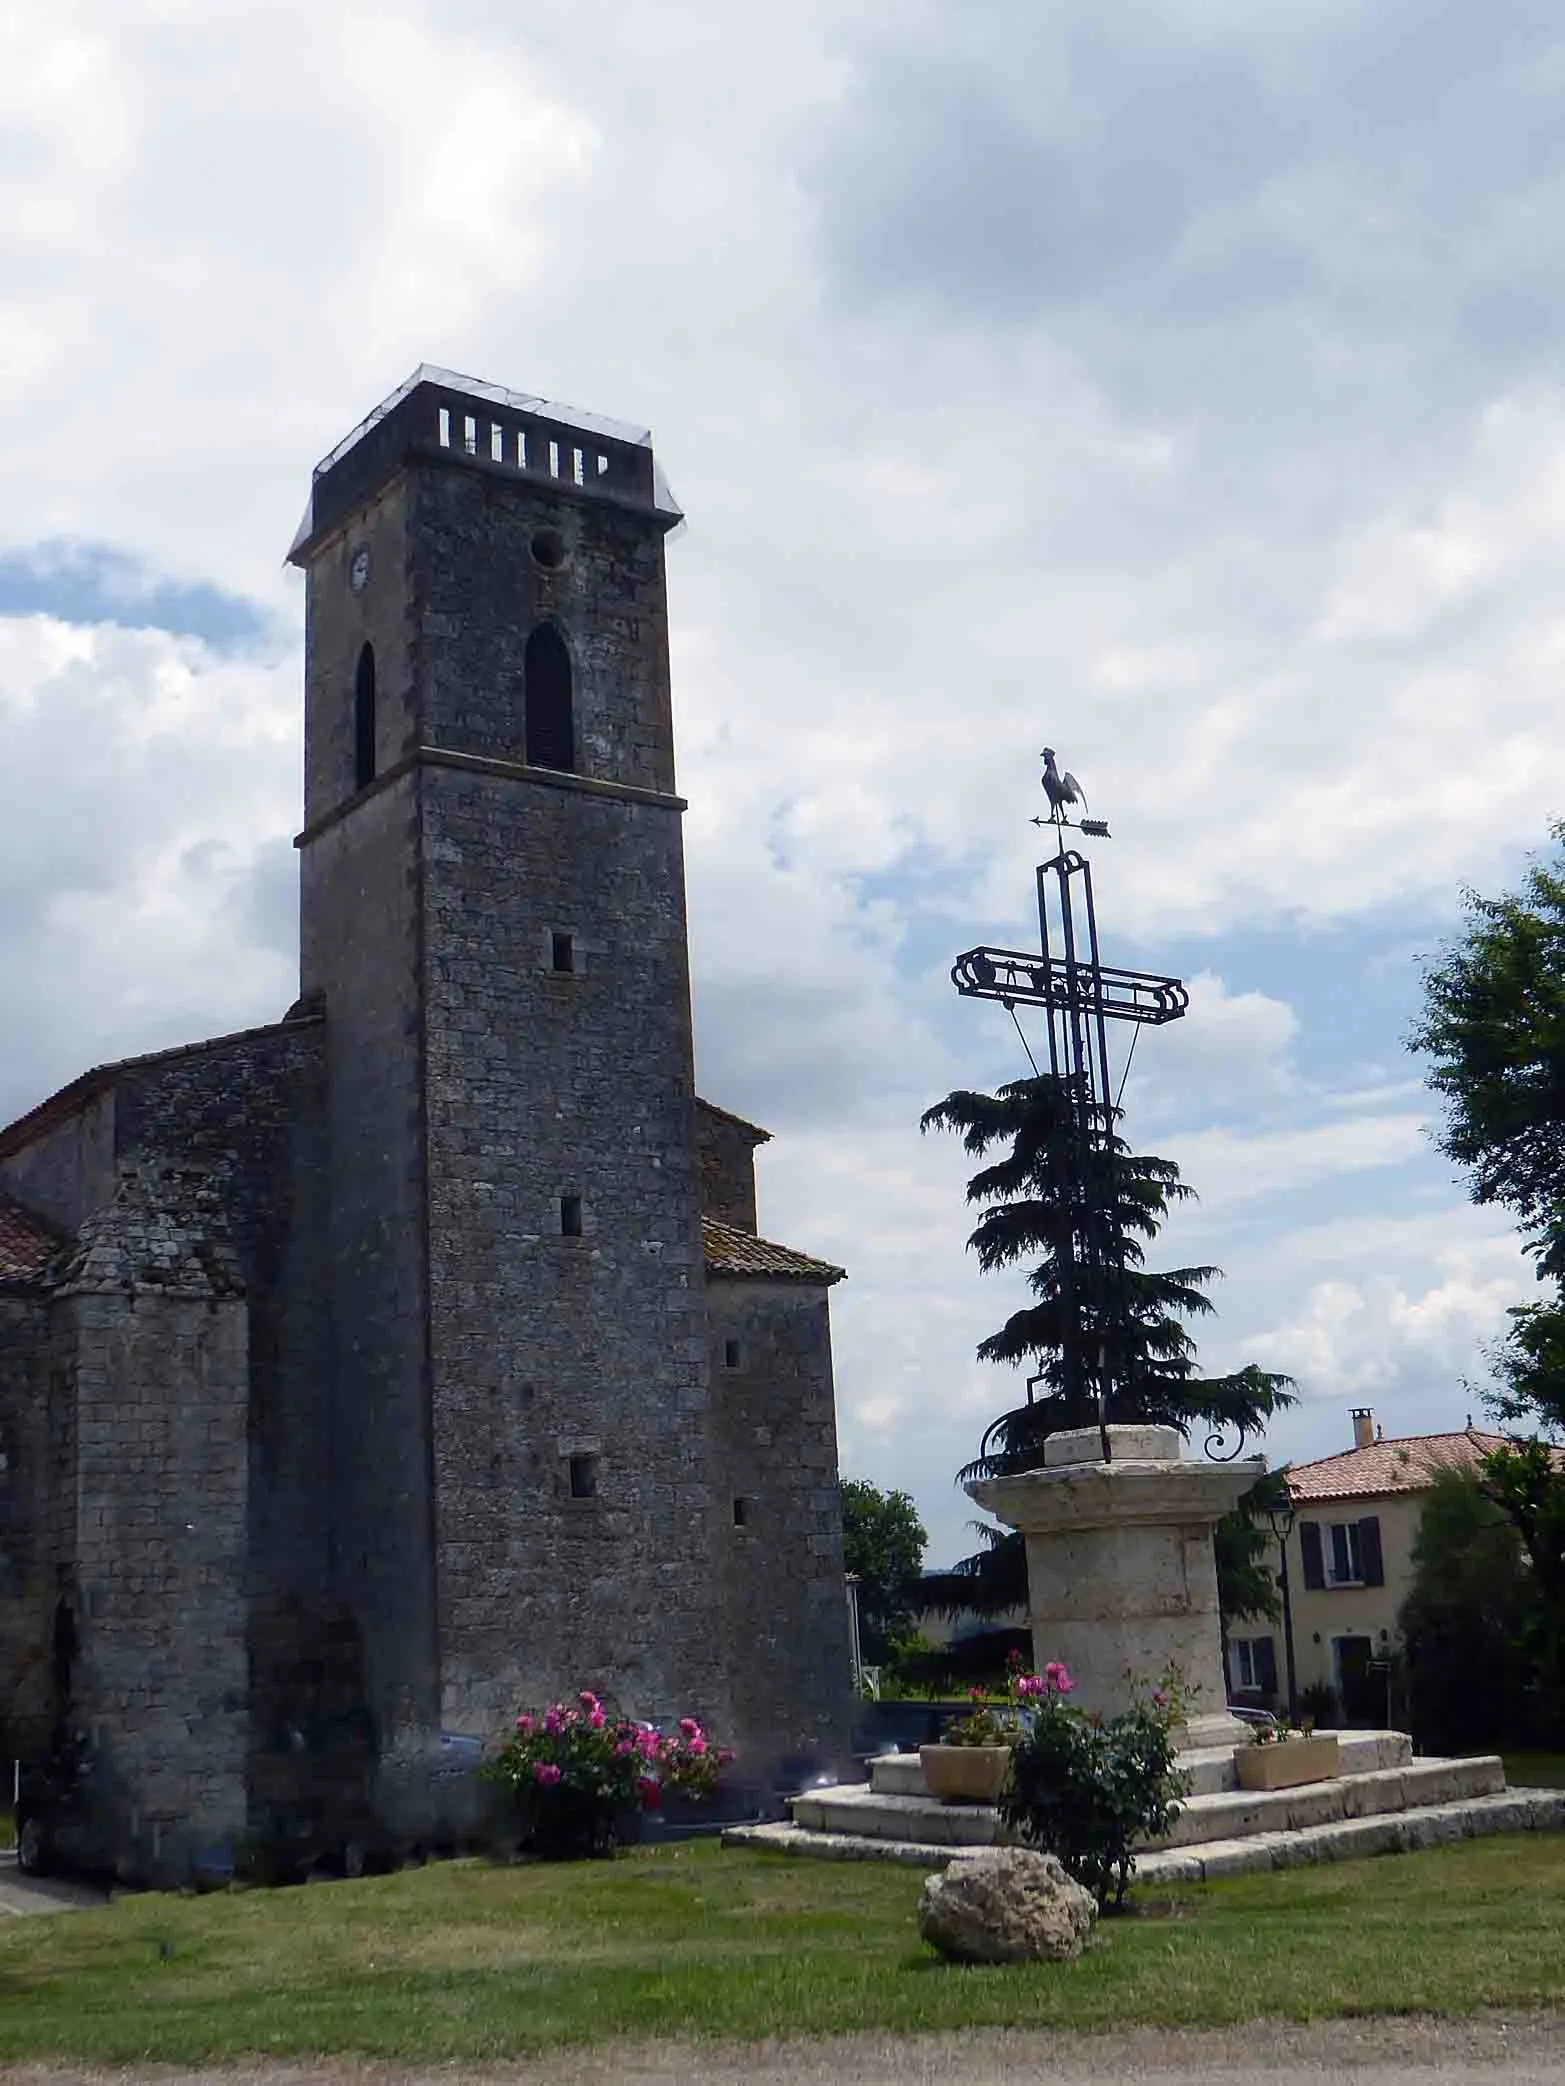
(1086, 1788)
(580, 1777)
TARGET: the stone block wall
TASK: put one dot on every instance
(725, 1155)
(562, 1358)
(481, 590)
(65, 1170)
(785, 1620)
(159, 1679)
(28, 1518)
(362, 954)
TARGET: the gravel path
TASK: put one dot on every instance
(1521, 2049)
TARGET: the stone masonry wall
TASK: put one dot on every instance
(160, 1679)
(250, 1112)
(66, 1171)
(481, 591)
(781, 1572)
(725, 1152)
(27, 1525)
(555, 1353)
(362, 943)
(546, 1346)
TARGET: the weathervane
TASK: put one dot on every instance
(1080, 995)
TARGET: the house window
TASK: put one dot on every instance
(1346, 1554)
(550, 730)
(364, 720)
(1342, 1553)
(744, 1511)
(1255, 1665)
(570, 1216)
(582, 1475)
(732, 1354)
(562, 951)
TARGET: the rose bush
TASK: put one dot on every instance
(580, 1776)
(995, 1719)
(1087, 1788)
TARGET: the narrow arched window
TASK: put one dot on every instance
(551, 736)
(364, 720)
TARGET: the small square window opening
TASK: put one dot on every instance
(562, 951)
(731, 1354)
(583, 1475)
(744, 1511)
(570, 1216)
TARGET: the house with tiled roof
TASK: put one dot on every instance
(1349, 1562)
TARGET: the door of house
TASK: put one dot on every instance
(1360, 1693)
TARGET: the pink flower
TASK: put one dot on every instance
(697, 1745)
(554, 1720)
(588, 1700)
(596, 1719)
(690, 1727)
(1160, 1698)
(524, 1724)
(1057, 1679)
(649, 1792)
(625, 1749)
(546, 1772)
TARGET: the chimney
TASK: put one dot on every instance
(1363, 1427)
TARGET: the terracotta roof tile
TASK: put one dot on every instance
(27, 1244)
(730, 1251)
(1407, 1465)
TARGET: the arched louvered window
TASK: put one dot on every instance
(364, 720)
(551, 733)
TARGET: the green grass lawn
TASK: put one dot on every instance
(465, 1961)
(1535, 1770)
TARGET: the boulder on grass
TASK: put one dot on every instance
(1005, 1905)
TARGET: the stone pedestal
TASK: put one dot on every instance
(1121, 1577)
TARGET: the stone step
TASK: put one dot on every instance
(1219, 1814)
(1346, 1839)
(1210, 1770)
(1242, 1814)
(860, 1811)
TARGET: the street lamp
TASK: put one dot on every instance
(1282, 1519)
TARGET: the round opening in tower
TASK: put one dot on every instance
(548, 549)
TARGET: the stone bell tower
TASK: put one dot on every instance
(494, 919)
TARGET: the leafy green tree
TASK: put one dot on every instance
(1246, 1546)
(1083, 1213)
(1493, 1029)
(1469, 1625)
(883, 1543)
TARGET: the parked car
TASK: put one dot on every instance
(64, 1820)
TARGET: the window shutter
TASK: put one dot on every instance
(1309, 1550)
(1266, 1665)
(1370, 1556)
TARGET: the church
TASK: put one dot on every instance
(416, 1358)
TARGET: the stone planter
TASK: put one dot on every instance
(964, 1774)
(1286, 1763)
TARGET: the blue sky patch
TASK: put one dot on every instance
(97, 583)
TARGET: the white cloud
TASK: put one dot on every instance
(1249, 499)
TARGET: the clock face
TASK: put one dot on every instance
(359, 570)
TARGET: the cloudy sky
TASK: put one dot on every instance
(1178, 383)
